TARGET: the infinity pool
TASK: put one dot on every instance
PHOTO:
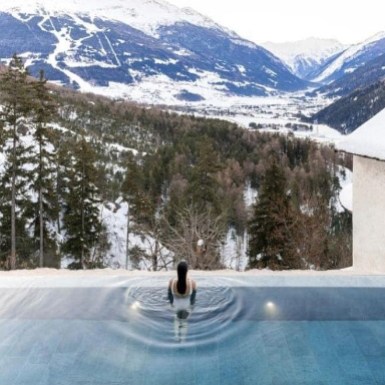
(250, 330)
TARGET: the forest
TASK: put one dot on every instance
(65, 154)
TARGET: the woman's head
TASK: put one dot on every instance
(182, 269)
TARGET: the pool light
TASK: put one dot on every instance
(271, 309)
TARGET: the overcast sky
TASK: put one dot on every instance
(289, 20)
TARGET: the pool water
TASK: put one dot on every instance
(247, 331)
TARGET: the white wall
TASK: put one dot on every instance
(368, 214)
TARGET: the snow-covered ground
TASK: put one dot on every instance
(114, 217)
(346, 197)
(100, 277)
(345, 177)
(276, 114)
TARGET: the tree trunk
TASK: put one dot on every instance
(41, 219)
(82, 261)
(155, 257)
(41, 261)
(13, 205)
(58, 191)
(127, 236)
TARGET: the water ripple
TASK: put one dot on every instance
(154, 322)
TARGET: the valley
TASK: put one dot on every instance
(276, 114)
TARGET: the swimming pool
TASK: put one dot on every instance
(250, 330)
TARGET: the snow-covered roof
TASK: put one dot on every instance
(367, 140)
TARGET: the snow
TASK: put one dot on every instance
(250, 195)
(182, 52)
(241, 69)
(118, 278)
(346, 197)
(368, 140)
(114, 217)
(348, 55)
(270, 72)
(314, 49)
(145, 15)
(345, 177)
(234, 251)
(321, 133)
(166, 62)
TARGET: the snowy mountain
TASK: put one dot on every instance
(351, 111)
(366, 75)
(144, 15)
(145, 50)
(304, 57)
(352, 58)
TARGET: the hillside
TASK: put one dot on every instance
(351, 59)
(364, 76)
(349, 112)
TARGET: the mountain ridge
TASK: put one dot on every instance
(305, 56)
(156, 58)
(352, 58)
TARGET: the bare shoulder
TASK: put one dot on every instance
(193, 284)
(170, 282)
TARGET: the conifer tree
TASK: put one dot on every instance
(271, 226)
(81, 219)
(45, 211)
(134, 192)
(17, 104)
(203, 188)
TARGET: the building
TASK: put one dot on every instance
(367, 144)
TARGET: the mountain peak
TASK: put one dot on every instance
(146, 15)
(376, 37)
(352, 58)
(303, 56)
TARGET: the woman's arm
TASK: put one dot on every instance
(169, 293)
(193, 293)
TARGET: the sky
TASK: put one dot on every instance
(291, 20)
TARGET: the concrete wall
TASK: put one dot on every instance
(368, 214)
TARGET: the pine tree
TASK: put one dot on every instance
(203, 188)
(134, 192)
(45, 211)
(81, 220)
(17, 104)
(272, 224)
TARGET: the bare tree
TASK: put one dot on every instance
(192, 225)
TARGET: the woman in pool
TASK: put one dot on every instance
(182, 290)
(181, 294)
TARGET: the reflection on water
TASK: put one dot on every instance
(181, 325)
